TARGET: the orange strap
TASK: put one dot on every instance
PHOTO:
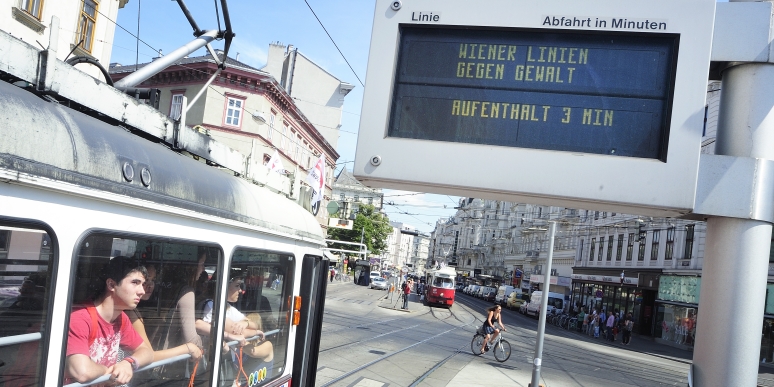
(241, 369)
(193, 375)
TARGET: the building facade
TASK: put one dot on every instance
(247, 110)
(315, 91)
(349, 194)
(85, 26)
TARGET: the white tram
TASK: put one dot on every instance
(75, 192)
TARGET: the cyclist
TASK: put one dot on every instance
(493, 316)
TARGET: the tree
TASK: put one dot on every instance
(374, 226)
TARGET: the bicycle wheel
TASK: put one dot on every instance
(502, 351)
(476, 344)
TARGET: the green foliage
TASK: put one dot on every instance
(374, 226)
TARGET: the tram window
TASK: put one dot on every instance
(443, 282)
(26, 265)
(175, 275)
(259, 296)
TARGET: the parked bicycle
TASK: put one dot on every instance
(500, 347)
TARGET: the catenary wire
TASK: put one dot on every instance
(334, 42)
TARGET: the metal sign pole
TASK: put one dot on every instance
(736, 259)
(543, 306)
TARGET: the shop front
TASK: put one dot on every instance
(677, 306)
(603, 291)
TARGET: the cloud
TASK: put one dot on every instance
(249, 53)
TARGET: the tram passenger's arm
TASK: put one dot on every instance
(82, 369)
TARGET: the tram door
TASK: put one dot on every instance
(314, 273)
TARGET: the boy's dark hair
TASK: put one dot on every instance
(117, 269)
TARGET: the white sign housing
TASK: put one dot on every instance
(582, 104)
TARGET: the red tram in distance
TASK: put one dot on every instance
(440, 287)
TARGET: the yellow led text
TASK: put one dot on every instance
(552, 74)
(504, 110)
(598, 117)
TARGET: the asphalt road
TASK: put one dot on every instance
(365, 342)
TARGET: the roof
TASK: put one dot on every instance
(347, 178)
(230, 62)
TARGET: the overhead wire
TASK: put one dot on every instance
(334, 42)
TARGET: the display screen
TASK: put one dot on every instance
(574, 91)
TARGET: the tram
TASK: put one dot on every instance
(79, 190)
(440, 287)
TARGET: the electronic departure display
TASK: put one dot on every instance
(574, 91)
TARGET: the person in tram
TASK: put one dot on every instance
(191, 347)
(492, 317)
(100, 327)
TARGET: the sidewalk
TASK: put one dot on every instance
(518, 370)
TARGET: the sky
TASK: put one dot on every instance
(163, 26)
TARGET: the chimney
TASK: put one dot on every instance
(237, 57)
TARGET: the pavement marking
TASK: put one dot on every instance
(365, 382)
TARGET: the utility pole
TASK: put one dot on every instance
(538, 357)
(736, 260)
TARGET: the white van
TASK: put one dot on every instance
(503, 292)
(473, 289)
(555, 301)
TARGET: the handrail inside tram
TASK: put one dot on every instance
(105, 378)
(256, 337)
(19, 339)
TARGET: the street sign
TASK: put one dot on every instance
(588, 104)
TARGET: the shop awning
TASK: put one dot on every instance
(331, 257)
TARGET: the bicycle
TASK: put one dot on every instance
(500, 347)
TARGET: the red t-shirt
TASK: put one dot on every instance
(104, 349)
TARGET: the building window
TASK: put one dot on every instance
(86, 23)
(641, 251)
(630, 246)
(270, 133)
(33, 7)
(592, 245)
(604, 215)
(297, 153)
(234, 111)
(580, 256)
(601, 248)
(341, 196)
(283, 142)
(689, 242)
(610, 248)
(619, 249)
(176, 107)
(357, 197)
(670, 243)
(654, 245)
(596, 215)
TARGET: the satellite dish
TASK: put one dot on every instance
(259, 117)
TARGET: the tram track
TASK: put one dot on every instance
(439, 316)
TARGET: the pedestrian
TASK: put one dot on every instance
(609, 326)
(595, 325)
(582, 318)
(406, 292)
(333, 273)
(627, 331)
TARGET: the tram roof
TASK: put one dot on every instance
(47, 139)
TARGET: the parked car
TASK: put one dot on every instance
(473, 290)
(502, 294)
(485, 291)
(516, 300)
(490, 296)
(379, 283)
(555, 301)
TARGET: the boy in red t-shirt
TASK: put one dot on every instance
(98, 330)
